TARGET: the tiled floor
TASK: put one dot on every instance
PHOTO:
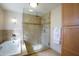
(42, 52)
(47, 52)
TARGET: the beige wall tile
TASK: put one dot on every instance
(32, 28)
(32, 19)
(5, 35)
(45, 19)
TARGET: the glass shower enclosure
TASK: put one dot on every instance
(36, 31)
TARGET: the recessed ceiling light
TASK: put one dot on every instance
(34, 5)
(31, 10)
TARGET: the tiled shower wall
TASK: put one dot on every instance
(32, 29)
(45, 30)
(37, 29)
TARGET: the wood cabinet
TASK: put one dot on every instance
(70, 29)
(70, 13)
(71, 40)
(67, 10)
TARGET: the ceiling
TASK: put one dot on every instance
(41, 9)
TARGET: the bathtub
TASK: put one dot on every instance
(11, 47)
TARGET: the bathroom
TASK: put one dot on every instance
(29, 28)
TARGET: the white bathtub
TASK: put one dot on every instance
(11, 47)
